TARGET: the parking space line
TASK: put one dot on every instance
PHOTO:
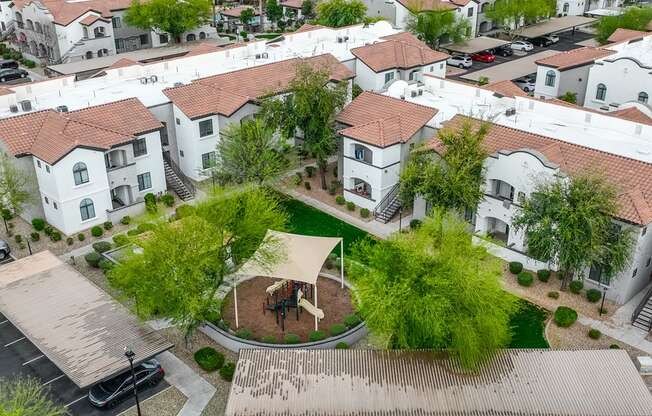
(13, 342)
(75, 401)
(34, 359)
(4, 322)
(53, 380)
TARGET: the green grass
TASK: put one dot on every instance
(304, 219)
(528, 327)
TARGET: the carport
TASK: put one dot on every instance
(555, 25)
(510, 70)
(481, 43)
(75, 324)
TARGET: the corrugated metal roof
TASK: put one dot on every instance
(367, 382)
(78, 326)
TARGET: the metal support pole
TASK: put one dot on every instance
(316, 323)
(604, 294)
(400, 219)
(29, 246)
(130, 356)
(342, 262)
(235, 303)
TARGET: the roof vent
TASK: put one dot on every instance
(144, 80)
(26, 105)
(153, 79)
(62, 108)
(510, 112)
(13, 108)
(340, 39)
(178, 84)
(413, 94)
(264, 55)
(420, 91)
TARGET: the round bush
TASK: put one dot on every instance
(291, 339)
(337, 329)
(35, 236)
(553, 295)
(96, 231)
(268, 339)
(81, 236)
(414, 224)
(209, 359)
(593, 295)
(168, 200)
(105, 264)
(102, 246)
(543, 275)
(55, 236)
(316, 336)
(108, 225)
(525, 279)
(38, 224)
(350, 206)
(594, 333)
(120, 240)
(341, 346)
(352, 320)
(93, 259)
(565, 316)
(18, 238)
(515, 267)
(364, 212)
(614, 347)
(125, 220)
(244, 333)
(70, 241)
(576, 286)
(227, 371)
(339, 200)
(48, 230)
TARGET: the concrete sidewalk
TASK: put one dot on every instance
(198, 391)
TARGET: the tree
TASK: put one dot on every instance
(248, 152)
(569, 222)
(308, 8)
(454, 182)
(569, 97)
(247, 16)
(15, 186)
(338, 13)
(512, 15)
(27, 397)
(437, 26)
(183, 263)
(310, 108)
(634, 18)
(433, 288)
(172, 16)
(273, 11)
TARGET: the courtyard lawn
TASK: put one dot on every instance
(528, 327)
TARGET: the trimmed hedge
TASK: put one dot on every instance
(339, 200)
(593, 295)
(543, 275)
(102, 246)
(93, 259)
(565, 316)
(209, 359)
(269, 339)
(553, 295)
(81, 236)
(244, 333)
(364, 212)
(35, 236)
(515, 267)
(350, 206)
(97, 231)
(145, 226)
(38, 224)
(594, 333)
(337, 329)
(525, 279)
(291, 339)
(614, 347)
(125, 220)
(341, 346)
(108, 225)
(576, 286)
(70, 241)
(121, 240)
(227, 371)
(316, 336)
(352, 320)
(167, 200)
(55, 236)
(414, 224)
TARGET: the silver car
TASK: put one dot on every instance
(4, 250)
(460, 61)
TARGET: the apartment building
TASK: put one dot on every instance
(579, 7)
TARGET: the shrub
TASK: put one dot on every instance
(337, 329)
(125, 220)
(70, 241)
(6, 214)
(332, 189)
(576, 286)
(515, 267)
(593, 295)
(102, 246)
(48, 230)
(525, 279)
(18, 238)
(81, 236)
(339, 200)
(614, 347)
(184, 211)
(35, 236)
(209, 359)
(150, 202)
(364, 212)
(108, 225)
(603, 310)
(310, 171)
(594, 333)
(38, 224)
(553, 295)
(55, 236)
(316, 336)
(105, 264)
(29, 63)
(291, 339)
(120, 240)
(227, 371)
(414, 224)
(145, 226)
(244, 333)
(307, 185)
(350, 206)
(134, 232)
(352, 320)
(341, 346)
(565, 316)
(297, 179)
(543, 275)
(167, 199)
(268, 339)
(97, 231)
(93, 259)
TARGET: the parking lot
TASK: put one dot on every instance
(19, 357)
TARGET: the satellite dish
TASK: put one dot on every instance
(397, 89)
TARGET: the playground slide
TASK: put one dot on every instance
(276, 286)
(311, 309)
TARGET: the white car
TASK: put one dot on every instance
(526, 84)
(460, 61)
(521, 45)
(552, 38)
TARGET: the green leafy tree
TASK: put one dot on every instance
(453, 180)
(634, 18)
(273, 11)
(172, 16)
(27, 397)
(433, 288)
(512, 15)
(308, 8)
(569, 97)
(247, 16)
(437, 26)
(248, 152)
(16, 186)
(569, 222)
(309, 108)
(183, 263)
(337, 13)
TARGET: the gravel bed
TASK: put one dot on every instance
(166, 403)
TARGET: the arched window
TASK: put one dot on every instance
(202, 35)
(80, 173)
(89, 55)
(643, 97)
(87, 209)
(191, 37)
(550, 78)
(601, 92)
(566, 7)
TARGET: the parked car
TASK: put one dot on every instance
(553, 38)
(9, 74)
(504, 50)
(522, 45)
(4, 250)
(484, 56)
(526, 84)
(8, 63)
(109, 393)
(460, 61)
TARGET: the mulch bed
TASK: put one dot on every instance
(331, 298)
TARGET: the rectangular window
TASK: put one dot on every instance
(205, 128)
(595, 274)
(47, 168)
(54, 204)
(470, 12)
(644, 231)
(140, 147)
(38, 163)
(47, 201)
(163, 38)
(144, 39)
(550, 79)
(119, 44)
(208, 160)
(178, 121)
(116, 22)
(181, 153)
(144, 181)
(165, 141)
(388, 77)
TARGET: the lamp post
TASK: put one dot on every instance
(130, 356)
(604, 294)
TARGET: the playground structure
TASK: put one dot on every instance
(286, 294)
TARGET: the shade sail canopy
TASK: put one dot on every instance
(302, 257)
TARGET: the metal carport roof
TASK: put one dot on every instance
(554, 25)
(509, 70)
(78, 326)
(481, 43)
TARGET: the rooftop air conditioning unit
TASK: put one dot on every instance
(420, 91)
(402, 97)
(510, 112)
(62, 108)
(265, 55)
(413, 94)
(153, 79)
(340, 39)
(26, 105)
(13, 108)
(506, 203)
(178, 84)
(257, 56)
(346, 38)
(144, 80)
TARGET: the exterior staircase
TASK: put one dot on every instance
(642, 316)
(177, 181)
(388, 206)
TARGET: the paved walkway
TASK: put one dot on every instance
(198, 391)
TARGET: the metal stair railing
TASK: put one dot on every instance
(386, 200)
(177, 171)
(640, 307)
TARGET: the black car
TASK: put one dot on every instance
(8, 63)
(9, 74)
(541, 41)
(504, 50)
(109, 393)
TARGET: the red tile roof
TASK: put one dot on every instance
(574, 58)
(402, 51)
(505, 88)
(632, 114)
(198, 100)
(50, 135)
(65, 12)
(92, 18)
(237, 11)
(622, 35)
(6, 91)
(428, 4)
(633, 177)
(306, 27)
(293, 4)
(383, 121)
